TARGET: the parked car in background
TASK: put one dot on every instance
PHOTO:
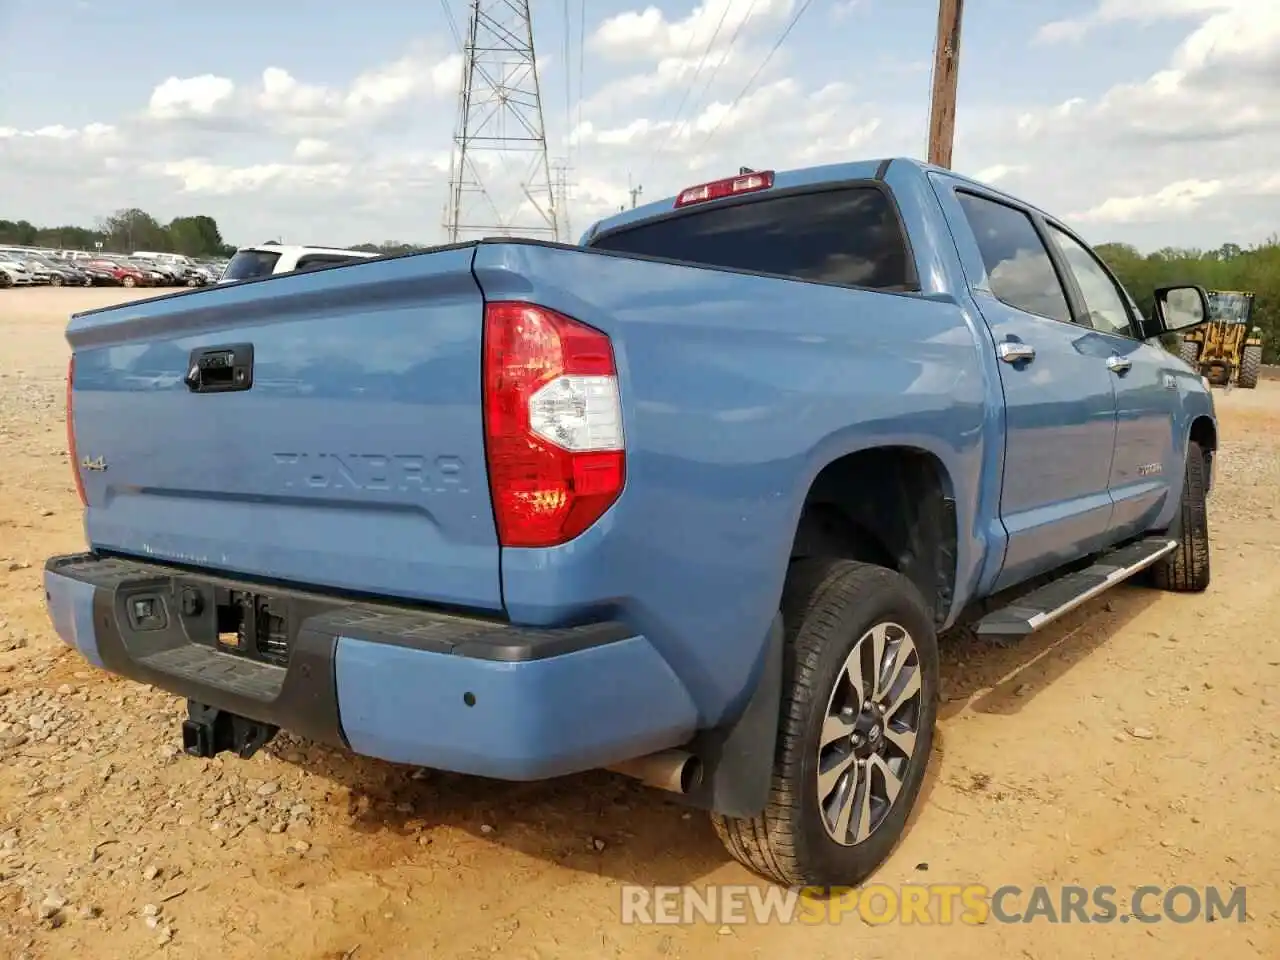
(13, 273)
(174, 269)
(268, 259)
(67, 274)
(49, 271)
(39, 273)
(99, 276)
(124, 273)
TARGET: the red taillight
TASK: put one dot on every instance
(553, 424)
(71, 430)
(728, 187)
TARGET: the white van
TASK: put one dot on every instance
(267, 259)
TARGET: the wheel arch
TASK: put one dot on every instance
(1204, 432)
(892, 505)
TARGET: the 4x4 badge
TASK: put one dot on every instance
(97, 465)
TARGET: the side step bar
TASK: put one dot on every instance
(1045, 604)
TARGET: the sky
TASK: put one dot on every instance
(1151, 122)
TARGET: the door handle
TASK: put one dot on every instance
(220, 369)
(1118, 364)
(1012, 352)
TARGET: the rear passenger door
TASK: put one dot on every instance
(1146, 393)
(1060, 409)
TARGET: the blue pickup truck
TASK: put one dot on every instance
(691, 500)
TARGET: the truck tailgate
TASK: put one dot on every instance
(354, 460)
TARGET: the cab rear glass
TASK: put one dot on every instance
(849, 236)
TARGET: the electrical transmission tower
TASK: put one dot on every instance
(500, 177)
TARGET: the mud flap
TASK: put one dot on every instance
(737, 759)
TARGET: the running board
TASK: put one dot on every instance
(1045, 604)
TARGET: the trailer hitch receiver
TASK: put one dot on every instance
(209, 731)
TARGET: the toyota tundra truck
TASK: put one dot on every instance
(690, 500)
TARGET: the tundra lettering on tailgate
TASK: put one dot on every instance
(371, 471)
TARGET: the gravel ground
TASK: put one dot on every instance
(1135, 742)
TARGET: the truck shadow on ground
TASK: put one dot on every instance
(993, 678)
(603, 824)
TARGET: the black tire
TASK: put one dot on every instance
(1250, 367)
(1190, 351)
(1186, 569)
(828, 607)
(6, 281)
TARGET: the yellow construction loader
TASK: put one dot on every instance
(1227, 349)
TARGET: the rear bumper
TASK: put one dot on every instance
(411, 686)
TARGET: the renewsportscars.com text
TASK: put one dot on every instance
(932, 904)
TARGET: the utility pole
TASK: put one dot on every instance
(560, 188)
(500, 115)
(634, 191)
(946, 67)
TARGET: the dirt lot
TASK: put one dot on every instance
(1135, 743)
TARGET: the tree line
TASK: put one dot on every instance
(133, 229)
(124, 232)
(1254, 269)
(1229, 267)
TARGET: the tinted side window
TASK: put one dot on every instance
(1018, 265)
(1107, 310)
(312, 261)
(848, 236)
(248, 264)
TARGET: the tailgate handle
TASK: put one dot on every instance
(220, 369)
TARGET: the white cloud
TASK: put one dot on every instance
(1183, 197)
(842, 10)
(1111, 12)
(309, 148)
(196, 175)
(279, 98)
(190, 96)
(997, 172)
(648, 33)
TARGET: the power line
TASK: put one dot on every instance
(728, 49)
(453, 24)
(582, 51)
(688, 48)
(702, 62)
(568, 70)
(763, 63)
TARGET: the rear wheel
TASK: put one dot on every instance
(1186, 569)
(1250, 366)
(129, 281)
(855, 727)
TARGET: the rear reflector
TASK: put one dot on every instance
(728, 187)
(553, 424)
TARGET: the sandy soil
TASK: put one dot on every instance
(303, 852)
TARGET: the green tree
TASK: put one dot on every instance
(125, 231)
(1253, 269)
(195, 236)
